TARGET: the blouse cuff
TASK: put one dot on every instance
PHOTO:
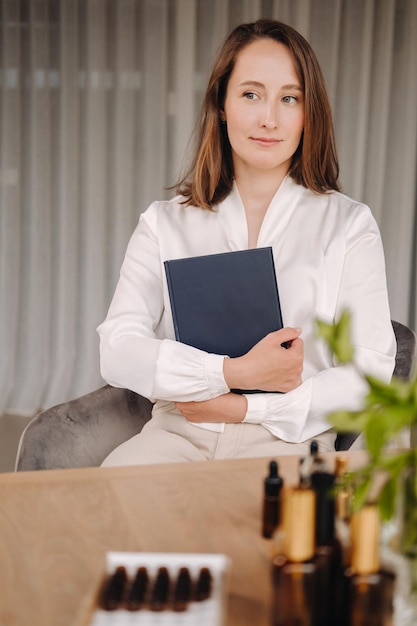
(214, 374)
(257, 408)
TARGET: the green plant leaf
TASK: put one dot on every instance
(383, 424)
(361, 486)
(375, 435)
(413, 385)
(387, 498)
(337, 336)
(350, 421)
(385, 393)
(409, 511)
(397, 462)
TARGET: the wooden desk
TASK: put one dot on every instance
(56, 526)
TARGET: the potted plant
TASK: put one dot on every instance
(388, 408)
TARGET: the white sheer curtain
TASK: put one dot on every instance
(98, 100)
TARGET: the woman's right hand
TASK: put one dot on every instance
(268, 366)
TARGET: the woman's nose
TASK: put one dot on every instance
(269, 118)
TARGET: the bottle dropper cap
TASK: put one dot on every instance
(273, 482)
(314, 448)
(341, 466)
(343, 496)
(365, 527)
(299, 525)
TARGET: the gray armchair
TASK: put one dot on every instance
(82, 432)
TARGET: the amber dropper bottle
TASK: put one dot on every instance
(271, 509)
(328, 553)
(369, 590)
(294, 572)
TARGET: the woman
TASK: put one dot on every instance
(264, 174)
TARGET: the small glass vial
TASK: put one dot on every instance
(369, 590)
(294, 572)
(271, 509)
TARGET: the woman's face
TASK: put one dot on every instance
(264, 109)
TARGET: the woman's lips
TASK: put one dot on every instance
(266, 141)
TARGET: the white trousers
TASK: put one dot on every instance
(170, 438)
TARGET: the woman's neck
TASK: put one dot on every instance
(258, 191)
(256, 195)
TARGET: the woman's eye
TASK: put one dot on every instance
(249, 95)
(290, 99)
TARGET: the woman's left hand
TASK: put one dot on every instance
(230, 408)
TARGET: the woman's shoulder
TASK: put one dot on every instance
(339, 209)
(339, 202)
(175, 213)
(327, 199)
(345, 201)
(160, 207)
(172, 204)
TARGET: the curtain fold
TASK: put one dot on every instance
(98, 105)
(10, 197)
(65, 244)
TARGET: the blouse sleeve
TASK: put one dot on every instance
(302, 413)
(134, 351)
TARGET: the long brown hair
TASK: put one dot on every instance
(209, 178)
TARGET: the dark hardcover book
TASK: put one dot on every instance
(224, 303)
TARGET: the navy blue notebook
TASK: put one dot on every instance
(224, 303)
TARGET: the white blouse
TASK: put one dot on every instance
(328, 256)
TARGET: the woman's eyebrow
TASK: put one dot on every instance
(255, 83)
(251, 83)
(292, 86)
